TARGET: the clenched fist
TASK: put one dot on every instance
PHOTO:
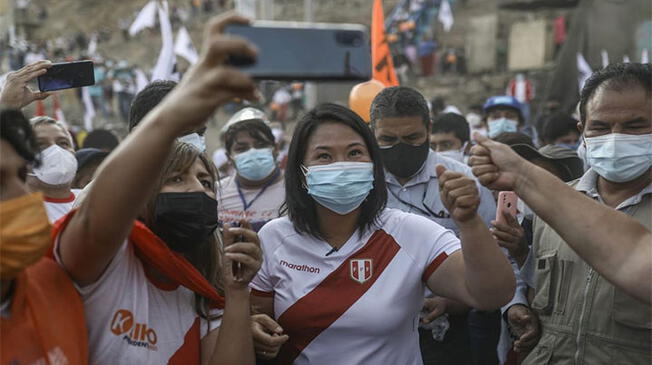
(459, 193)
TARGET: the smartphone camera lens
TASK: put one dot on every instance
(349, 38)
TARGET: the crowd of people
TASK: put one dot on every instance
(358, 243)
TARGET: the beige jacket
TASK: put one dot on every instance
(585, 319)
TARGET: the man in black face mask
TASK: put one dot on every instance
(400, 120)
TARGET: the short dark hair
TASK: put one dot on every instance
(618, 77)
(451, 122)
(299, 204)
(399, 101)
(101, 139)
(17, 131)
(256, 128)
(147, 99)
(557, 125)
(437, 104)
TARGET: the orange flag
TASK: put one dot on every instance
(381, 57)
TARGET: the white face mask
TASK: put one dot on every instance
(194, 139)
(457, 155)
(620, 157)
(58, 166)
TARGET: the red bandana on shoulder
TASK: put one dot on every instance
(153, 251)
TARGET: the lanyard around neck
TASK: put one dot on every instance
(246, 205)
(426, 211)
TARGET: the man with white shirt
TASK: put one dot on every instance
(400, 120)
(57, 169)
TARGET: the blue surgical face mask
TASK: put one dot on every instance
(500, 126)
(194, 139)
(340, 186)
(255, 164)
(620, 157)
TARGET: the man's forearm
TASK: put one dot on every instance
(605, 238)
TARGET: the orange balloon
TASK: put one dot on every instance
(362, 95)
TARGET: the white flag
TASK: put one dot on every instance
(92, 45)
(584, 70)
(626, 59)
(145, 19)
(445, 15)
(141, 79)
(605, 58)
(89, 112)
(183, 46)
(645, 58)
(166, 59)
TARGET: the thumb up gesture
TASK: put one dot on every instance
(458, 193)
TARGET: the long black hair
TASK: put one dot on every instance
(299, 204)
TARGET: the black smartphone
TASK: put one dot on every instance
(305, 51)
(236, 267)
(67, 75)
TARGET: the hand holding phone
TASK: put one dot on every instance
(16, 92)
(507, 202)
(236, 267)
(304, 51)
(67, 75)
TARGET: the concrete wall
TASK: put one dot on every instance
(481, 43)
(528, 45)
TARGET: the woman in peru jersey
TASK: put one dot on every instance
(343, 277)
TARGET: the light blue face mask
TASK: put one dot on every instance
(500, 126)
(619, 157)
(340, 186)
(255, 164)
(194, 139)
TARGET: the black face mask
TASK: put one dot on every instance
(185, 221)
(404, 160)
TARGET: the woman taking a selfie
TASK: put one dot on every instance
(143, 247)
(343, 276)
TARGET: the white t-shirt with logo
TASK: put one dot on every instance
(357, 305)
(134, 320)
(263, 208)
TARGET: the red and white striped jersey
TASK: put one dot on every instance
(357, 305)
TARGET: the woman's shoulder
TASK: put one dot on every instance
(277, 226)
(278, 231)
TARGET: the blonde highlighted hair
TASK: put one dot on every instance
(206, 258)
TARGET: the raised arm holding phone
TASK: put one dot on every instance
(170, 188)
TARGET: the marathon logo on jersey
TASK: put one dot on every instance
(361, 270)
(134, 334)
(299, 267)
